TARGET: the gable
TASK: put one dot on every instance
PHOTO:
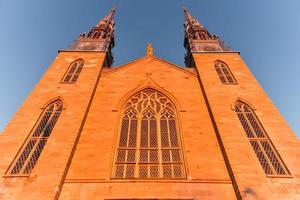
(149, 64)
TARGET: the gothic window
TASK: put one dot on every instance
(73, 71)
(149, 144)
(224, 73)
(259, 140)
(34, 145)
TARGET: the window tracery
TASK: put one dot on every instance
(261, 144)
(35, 143)
(73, 72)
(224, 73)
(149, 143)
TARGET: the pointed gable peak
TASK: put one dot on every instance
(140, 62)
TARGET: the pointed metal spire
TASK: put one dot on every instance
(192, 26)
(110, 18)
(105, 28)
(99, 38)
(186, 13)
(197, 38)
(189, 18)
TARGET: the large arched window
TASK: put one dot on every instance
(224, 73)
(259, 140)
(73, 71)
(34, 145)
(149, 145)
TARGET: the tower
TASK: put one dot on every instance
(57, 108)
(260, 162)
(92, 131)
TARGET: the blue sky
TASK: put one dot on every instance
(267, 33)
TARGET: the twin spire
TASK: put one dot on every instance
(193, 28)
(197, 39)
(110, 18)
(101, 38)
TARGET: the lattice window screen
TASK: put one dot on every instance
(260, 142)
(149, 143)
(224, 73)
(34, 145)
(73, 72)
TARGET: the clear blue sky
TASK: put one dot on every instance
(266, 32)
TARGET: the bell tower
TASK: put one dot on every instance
(39, 142)
(258, 157)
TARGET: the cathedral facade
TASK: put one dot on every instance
(149, 129)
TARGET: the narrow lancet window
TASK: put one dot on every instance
(73, 72)
(266, 153)
(149, 144)
(224, 73)
(34, 145)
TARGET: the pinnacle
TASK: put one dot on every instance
(149, 50)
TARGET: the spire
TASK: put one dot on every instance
(193, 28)
(104, 30)
(99, 38)
(189, 19)
(109, 19)
(198, 39)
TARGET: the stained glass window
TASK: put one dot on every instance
(149, 143)
(73, 72)
(34, 145)
(224, 73)
(259, 140)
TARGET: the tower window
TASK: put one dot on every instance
(73, 72)
(34, 145)
(224, 73)
(266, 153)
(149, 144)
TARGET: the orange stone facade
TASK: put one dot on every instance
(80, 157)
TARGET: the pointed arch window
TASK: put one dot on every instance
(149, 144)
(265, 151)
(34, 145)
(224, 73)
(73, 72)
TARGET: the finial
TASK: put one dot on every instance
(112, 13)
(186, 13)
(149, 50)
